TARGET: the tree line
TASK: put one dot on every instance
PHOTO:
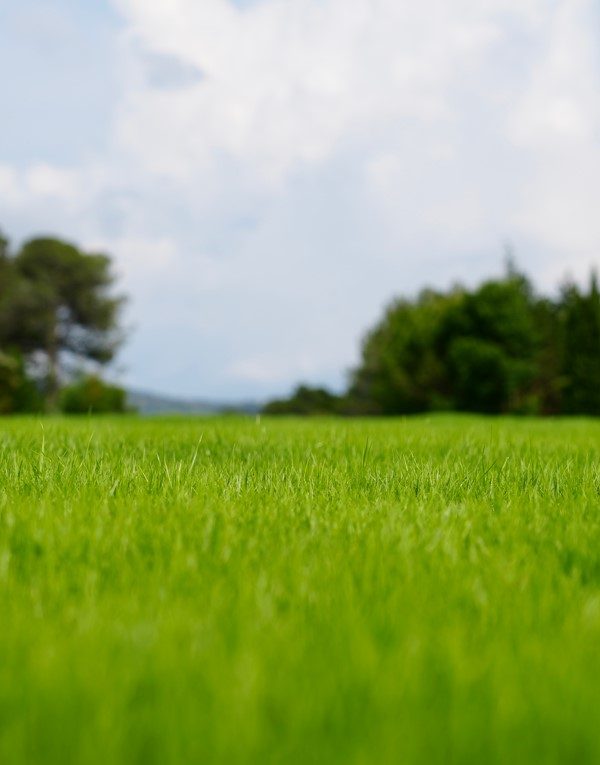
(59, 324)
(497, 348)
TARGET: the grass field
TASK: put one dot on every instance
(225, 590)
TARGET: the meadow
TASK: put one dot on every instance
(233, 590)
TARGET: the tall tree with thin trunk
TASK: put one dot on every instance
(63, 307)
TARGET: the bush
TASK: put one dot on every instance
(480, 375)
(305, 400)
(90, 395)
(17, 392)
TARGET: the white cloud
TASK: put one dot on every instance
(9, 185)
(285, 82)
(43, 180)
(560, 103)
(557, 121)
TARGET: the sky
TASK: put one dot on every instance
(269, 174)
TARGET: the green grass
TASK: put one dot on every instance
(228, 591)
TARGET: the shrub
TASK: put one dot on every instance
(17, 392)
(90, 394)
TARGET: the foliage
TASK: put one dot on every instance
(547, 386)
(582, 349)
(90, 395)
(305, 400)
(56, 304)
(491, 341)
(17, 392)
(480, 375)
(464, 350)
(401, 370)
(295, 591)
(498, 348)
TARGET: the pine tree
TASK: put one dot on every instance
(581, 356)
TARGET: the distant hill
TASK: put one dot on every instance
(153, 403)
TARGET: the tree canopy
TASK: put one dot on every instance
(57, 307)
(497, 348)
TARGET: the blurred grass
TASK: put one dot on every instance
(225, 590)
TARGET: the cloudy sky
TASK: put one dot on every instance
(269, 173)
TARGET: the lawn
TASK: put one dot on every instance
(299, 591)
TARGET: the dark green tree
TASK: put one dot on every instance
(480, 373)
(17, 392)
(305, 400)
(401, 371)
(581, 349)
(61, 306)
(7, 291)
(549, 381)
(474, 351)
(488, 342)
